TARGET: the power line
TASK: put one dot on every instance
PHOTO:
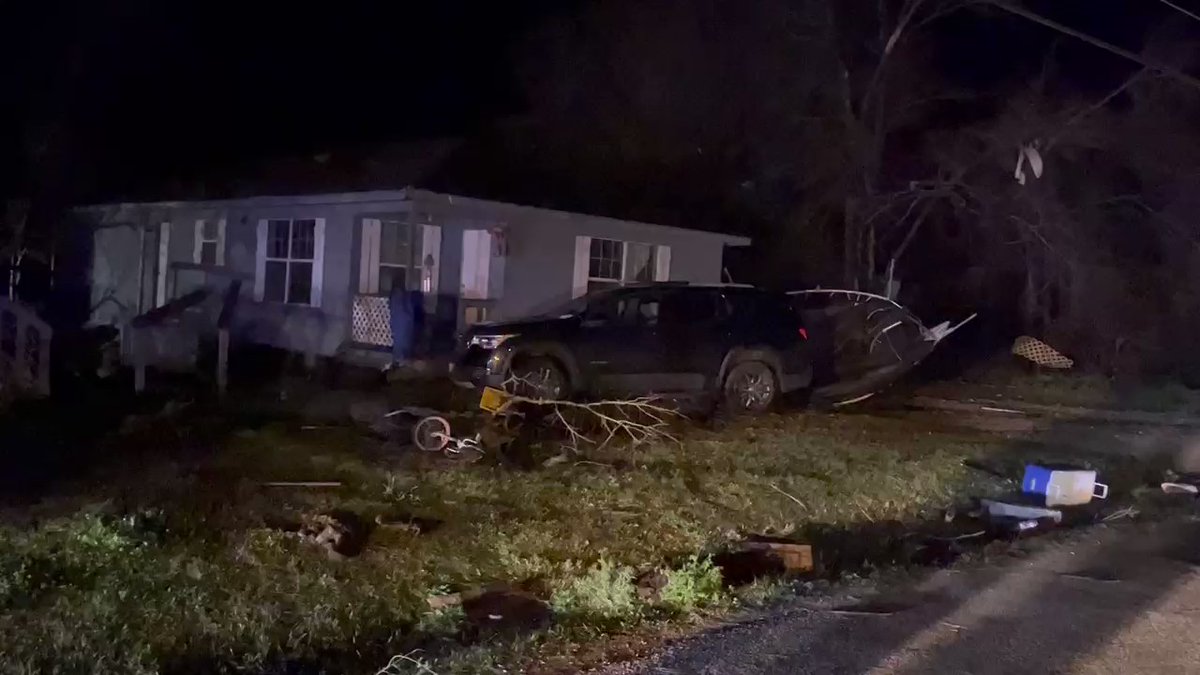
(1179, 9)
(1097, 42)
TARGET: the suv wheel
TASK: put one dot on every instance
(540, 378)
(750, 387)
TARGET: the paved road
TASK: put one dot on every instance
(1117, 599)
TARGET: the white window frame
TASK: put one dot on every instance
(408, 265)
(318, 261)
(427, 265)
(583, 260)
(200, 241)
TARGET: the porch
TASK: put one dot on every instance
(24, 350)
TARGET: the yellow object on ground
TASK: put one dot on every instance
(492, 399)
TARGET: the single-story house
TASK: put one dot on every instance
(317, 269)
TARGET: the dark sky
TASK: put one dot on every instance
(156, 84)
(142, 88)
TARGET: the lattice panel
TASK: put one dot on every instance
(1040, 353)
(371, 320)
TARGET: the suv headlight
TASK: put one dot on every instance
(488, 342)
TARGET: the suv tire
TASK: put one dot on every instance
(750, 387)
(540, 377)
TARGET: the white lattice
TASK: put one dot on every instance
(371, 320)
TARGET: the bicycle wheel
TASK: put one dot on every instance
(431, 434)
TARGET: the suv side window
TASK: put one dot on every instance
(640, 309)
(689, 308)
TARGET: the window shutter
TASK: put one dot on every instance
(431, 257)
(662, 263)
(318, 275)
(583, 252)
(221, 242)
(368, 261)
(474, 280)
(164, 259)
(260, 261)
(198, 243)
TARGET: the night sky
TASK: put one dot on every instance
(116, 93)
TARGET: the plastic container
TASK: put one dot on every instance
(1062, 486)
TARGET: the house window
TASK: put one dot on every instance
(209, 246)
(614, 263)
(396, 246)
(289, 262)
(399, 252)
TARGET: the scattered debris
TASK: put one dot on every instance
(1062, 485)
(1101, 576)
(443, 601)
(763, 557)
(795, 557)
(1180, 489)
(1127, 512)
(304, 483)
(342, 533)
(864, 341)
(1003, 411)
(1040, 353)
(961, 537)
(405, 521)
(1020, 508)
(798, 502)
(649, 585)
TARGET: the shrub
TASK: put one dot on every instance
(696, 584)
(604, 592)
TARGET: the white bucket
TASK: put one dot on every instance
(1071, 488)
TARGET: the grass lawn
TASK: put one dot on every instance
(1019, 385)
(171, 559)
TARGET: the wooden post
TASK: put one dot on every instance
(139, 358)
(228, 307)
(222, 361)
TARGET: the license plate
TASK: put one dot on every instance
(492, 399)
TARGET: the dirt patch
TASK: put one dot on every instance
(505, 611)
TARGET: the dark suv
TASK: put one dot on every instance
(744, 344)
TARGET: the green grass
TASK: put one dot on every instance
(172, 565)
(1087, 390)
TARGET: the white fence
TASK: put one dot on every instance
(24, 349)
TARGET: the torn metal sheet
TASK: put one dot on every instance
(863, 341)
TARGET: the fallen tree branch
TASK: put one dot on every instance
(776, 488)
(641, 420)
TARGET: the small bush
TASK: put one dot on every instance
(604, 592)
(696, 584)
(63, 553)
